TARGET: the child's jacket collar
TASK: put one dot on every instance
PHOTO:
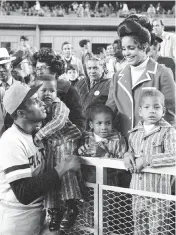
(159, 124)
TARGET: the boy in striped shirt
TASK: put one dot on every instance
(151, 143)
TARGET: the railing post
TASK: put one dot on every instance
(37, 37)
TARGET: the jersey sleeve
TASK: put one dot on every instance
(14, 161)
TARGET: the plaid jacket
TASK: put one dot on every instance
(158, 149)
(113, 147)
(58, 124)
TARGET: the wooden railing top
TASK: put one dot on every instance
(119, 164)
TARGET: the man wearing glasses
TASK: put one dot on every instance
(6, 80)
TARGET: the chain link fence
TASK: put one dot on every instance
(126, 213)
(111, 210)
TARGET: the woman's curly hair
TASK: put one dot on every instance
(47, 55)
(132, 28)
(142, 20)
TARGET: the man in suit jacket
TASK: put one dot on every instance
(168, 46)
(156, 55)
(6, 80)
(70, 59)
(93, 88)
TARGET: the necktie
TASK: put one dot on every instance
(2, 111)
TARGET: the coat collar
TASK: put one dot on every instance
(101, 79)
(9, 82)
(160, 124)
(125, 75)
(91, 136)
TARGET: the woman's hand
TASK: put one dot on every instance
(130, 162)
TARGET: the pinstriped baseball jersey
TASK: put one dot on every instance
(19, 158)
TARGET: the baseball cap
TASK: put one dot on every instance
(16, 94)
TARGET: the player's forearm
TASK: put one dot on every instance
(29, 189)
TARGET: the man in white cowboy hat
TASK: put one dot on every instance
(6, 80)
(23, 177)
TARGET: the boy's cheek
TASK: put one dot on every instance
(71, 77)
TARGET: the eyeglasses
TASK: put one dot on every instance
(43, 67)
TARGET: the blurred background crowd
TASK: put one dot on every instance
(87, 9)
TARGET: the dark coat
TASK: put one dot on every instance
(96, 94)
(168, 62)
(68, 94)
(125, 99)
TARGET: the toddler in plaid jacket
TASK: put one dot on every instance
(61, 137)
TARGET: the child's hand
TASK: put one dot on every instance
(83, 149)
(107, 155)
(130, 162)
(139, 164)
(37, 142)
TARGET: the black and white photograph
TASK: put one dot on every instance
(87, 117)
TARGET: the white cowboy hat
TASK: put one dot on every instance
(5, 57)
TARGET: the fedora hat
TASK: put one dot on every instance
(5, 57)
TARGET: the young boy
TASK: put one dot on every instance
(151, 143)
(62, 137)
(102, 141)
(72, 75)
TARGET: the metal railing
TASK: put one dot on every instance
(111, 210)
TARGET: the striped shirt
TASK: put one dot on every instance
(158, 149)
(113, 146)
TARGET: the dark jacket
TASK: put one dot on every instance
(125, 99)
(168, 62)
(96, 94)
(68, 94)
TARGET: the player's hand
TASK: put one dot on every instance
(69, 163)
(130, 162)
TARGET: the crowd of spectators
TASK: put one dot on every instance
(86, 9)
